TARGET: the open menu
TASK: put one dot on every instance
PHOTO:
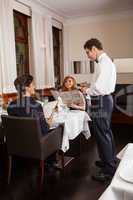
(48, 108)
(68, 96)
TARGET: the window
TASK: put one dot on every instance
(58, 57)
(21, 41)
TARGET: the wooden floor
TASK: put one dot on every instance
(74, 184)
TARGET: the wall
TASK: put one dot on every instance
(122, 78)
(116, 35)
(124, 65)
(115, 32)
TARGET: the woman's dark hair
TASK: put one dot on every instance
(22, 82)
(93, 42)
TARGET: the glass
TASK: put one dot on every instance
(45, 100)
(65, 108)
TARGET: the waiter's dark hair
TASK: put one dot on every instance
(93, 42)
(22, 82)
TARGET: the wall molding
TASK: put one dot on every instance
(99, 18)
(51, 9)
(21, 7)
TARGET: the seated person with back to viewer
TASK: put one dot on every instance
(76, 100)
(25, 105)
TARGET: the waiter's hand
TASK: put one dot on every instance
(84, 89)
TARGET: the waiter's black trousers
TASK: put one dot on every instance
(101, 112)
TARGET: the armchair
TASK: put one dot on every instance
(2, 134)
(24, 138)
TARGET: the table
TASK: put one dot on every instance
(75, 122)
(121, 189)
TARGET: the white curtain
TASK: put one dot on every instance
(1, 79)
(38, 47)
(42, 66)
(83, 67)
(87, 65)
(7, 47)
(49, 67)
(68, 63)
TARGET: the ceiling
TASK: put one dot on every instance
(82, 8)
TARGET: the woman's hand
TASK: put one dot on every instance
(50, 120)
(73, 105)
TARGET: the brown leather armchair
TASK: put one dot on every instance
(24, 138)
(1, 133)
(0, 130)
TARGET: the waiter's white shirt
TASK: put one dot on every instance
(104, 78)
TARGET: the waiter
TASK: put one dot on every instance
(102, 106)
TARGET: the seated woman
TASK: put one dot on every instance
(74, 98)
(25, 105)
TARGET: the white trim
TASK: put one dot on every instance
(57, 24)
(42, 3)
(18, 6)
(41, 8)
(96, 18)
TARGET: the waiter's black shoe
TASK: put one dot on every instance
(102, 177)
(99, 163)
